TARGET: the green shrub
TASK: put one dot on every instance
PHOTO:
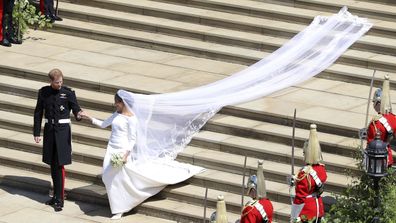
(356, 204)
(25, 15)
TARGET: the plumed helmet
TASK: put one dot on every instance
(251, 184)
(377, 95)
(261, 189)
(221, 212)
(386, 106)
(312, 151)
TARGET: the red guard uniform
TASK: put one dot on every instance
(309, 179)
(257, 212)
(386, 125)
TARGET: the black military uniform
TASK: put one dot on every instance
(57, 105)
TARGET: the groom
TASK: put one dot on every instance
(55, 102)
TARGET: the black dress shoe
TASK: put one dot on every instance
(58, 206)
(57, 18)
(15, 41)
(50, 201)
(51, 20)
(5, 42)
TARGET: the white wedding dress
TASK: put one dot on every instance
(165, 123)
(136, 181)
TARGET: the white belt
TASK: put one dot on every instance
(385, 123)
(314, 175)
(60, 121)
(260, 208)
(315, 195)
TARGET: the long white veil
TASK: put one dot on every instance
(168, 121)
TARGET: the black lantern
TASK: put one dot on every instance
(376, 158)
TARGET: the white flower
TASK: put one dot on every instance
(117, 159)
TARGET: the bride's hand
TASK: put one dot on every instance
(85, 115)
(125, 158)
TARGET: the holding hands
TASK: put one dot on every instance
(84, 115)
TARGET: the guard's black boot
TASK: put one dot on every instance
(5, 42)
(58, 205)
(57, 18)
(50, 18)
(50, 201)
(14, 40)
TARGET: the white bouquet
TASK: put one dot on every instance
(117, 159)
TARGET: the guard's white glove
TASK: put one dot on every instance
(297, 220)
(295, 212)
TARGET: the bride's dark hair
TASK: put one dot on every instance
(117, 98)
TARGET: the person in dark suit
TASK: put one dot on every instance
(7, 35)
(47, 9)
(56, 102)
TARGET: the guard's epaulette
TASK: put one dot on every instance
(249, 204)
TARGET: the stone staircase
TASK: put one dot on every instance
(239, 32)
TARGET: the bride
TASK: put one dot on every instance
(136, 180)
(150, 130)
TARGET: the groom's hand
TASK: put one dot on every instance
(37, 139)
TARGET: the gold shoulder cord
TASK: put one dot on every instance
(306, 175)
(252, 204)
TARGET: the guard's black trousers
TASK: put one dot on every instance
(8, 7)
(58, 177)
(47, 7)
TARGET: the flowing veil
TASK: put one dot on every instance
(167, 122)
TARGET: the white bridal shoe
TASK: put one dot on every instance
(116, 216)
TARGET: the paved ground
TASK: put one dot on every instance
(19, 206)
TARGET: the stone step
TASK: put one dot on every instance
(288, 11)
(30, 161)
(26, 160)
(177, 211)
(231, 125)
(372, 9)
(261, 9)
(207, 139)
(22, 143)
(229, 163)
(202, 32)
(256, 110)
(170, 10)
(206, 49)
(29, 88)
(233, 201)
(243, 127)
(385, 2)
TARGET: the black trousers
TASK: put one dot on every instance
(8, 28)
(49, 8)
(58, 176)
